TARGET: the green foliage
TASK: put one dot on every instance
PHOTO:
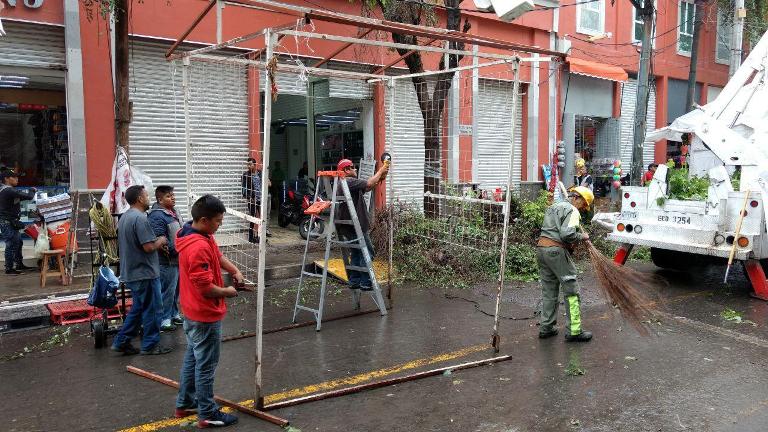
(736, 180)
(420, 258)
(641, 253)
(682, 186)
(60, 337)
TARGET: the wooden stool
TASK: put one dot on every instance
(62, 273)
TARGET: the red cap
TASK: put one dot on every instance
(343, 164)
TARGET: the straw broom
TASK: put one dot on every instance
(621, 286)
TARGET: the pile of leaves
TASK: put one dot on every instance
(427, 250)
(683, 186)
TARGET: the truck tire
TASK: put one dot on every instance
(675, 260)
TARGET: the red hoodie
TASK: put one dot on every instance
(199, 267)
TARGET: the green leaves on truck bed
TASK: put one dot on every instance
(683, 187)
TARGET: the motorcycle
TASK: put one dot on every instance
(296, 198)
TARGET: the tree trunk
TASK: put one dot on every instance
(697, 24)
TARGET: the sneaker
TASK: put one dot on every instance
(269, 233)
(126, 349)
(157, 350)
(25, 268)
(218, 419)
(177, 320)
(12, 272)
(167, 325)
(185, 412)
(543, 334)
(584, 336)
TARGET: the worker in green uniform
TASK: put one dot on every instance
(559, 233)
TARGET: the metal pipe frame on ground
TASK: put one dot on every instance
(384, 383)
(226, 402)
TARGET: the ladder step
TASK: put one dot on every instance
(348, 243)
(306, 273)
(343, 222)
(361, 269)
(308, 309)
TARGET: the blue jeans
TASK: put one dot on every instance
(169, 277)
(146, 311)
(12, 239)
(199, 367)
(358, 278)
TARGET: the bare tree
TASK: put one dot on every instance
(432, 106)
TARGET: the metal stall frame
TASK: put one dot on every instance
(272, 35)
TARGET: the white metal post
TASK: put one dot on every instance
(390, 189)
(271, 39)
(187, 134)
(495, 341)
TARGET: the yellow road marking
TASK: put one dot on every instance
(325, 386)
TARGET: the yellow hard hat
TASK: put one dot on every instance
(585, 193)
(580, 163)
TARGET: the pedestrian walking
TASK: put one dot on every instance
(10, 221)
(358, 188)
(140, 272)
(251, 190)
(559, 233)
(166, 222)
(202, 302)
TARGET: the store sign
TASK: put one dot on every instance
(32, 4)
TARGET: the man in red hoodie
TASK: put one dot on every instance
(202, 294)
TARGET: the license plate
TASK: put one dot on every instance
(675, 220)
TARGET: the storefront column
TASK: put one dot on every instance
(98, 98)
(254, 114)
(379, 136)
(531, 117)
(78, 166)
(660, 150)
(466, 131)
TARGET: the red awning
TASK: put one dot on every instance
(596, 70)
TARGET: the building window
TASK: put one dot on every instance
(685, 29)
(590, 18)
(724, 34)
(637, 26)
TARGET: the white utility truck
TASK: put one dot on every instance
(729, 139)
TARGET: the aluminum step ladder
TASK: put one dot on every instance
(339, 181)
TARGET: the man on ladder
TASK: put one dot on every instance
(357, 188)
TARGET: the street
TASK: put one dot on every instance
(696, 372)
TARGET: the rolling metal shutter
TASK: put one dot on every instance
(405, 142)
(494, 135)
(218, 119)
(157, 129)
(350, 88)
(32, 45)
(628, 98)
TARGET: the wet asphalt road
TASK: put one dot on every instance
(696, 372)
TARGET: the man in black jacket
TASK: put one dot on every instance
(10, 220)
